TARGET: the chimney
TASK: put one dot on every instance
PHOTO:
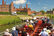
(27, 6)
(24, 6)
(2, 2)
(5, 3)
(20, 6)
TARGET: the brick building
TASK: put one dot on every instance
(38, 13)
(25, 9)
(50, 12)
(6, 8)
(10, 8)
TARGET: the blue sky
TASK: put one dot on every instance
(36, 5)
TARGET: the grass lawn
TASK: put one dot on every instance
(6, 19)
(13, 20)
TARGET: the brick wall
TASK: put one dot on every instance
(12, 7)
(4, 8)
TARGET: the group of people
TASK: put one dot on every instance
(47, 32)
(30, 26)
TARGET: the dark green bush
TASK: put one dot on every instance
(5, 13)
(24, 13)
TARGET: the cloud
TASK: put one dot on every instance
(19, 1)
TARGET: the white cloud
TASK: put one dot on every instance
(19, 1)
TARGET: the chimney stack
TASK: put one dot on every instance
(20, 6)
(5, 3)
(24, 6)
(27, 6)
(2, 2)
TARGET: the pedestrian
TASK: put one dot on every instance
(24, 33)
(14, 32)
(48, 20)
(26, 26)
(6, 33)
(39, 22)
(48, 31)
(52, 32)
(31, 26)
(27, 34)
(31, 22)
(44, 33)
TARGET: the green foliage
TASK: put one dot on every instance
(2, 28)
(8, 22)
(5, 13)
(9, 19)
(51, 16)
(53, 9)
(24, 13)
(42, 11)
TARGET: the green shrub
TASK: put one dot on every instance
(5, 13)
(51, 16)
(24, 13)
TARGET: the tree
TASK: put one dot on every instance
(53, 9)
(43, 12)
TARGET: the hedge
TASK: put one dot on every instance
(24, 13)
(5, 13)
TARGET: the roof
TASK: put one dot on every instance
(19, 9)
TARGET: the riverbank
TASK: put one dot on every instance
(10, 20)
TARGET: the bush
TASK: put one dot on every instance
(24, 13)
(5, 13)
(51, 16)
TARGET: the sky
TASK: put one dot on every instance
(35, 5)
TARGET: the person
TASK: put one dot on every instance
(48, 31)
(31, 22)
(48, 20)
(30, 26)
(39, 22)
(27, 34)
(19, 32)
(36, 20)
(43, 20)
(52, 32)
(44, 33)
(26, 26)
(6, 33)
(27, 20)
(24, 33)
(14, 32)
